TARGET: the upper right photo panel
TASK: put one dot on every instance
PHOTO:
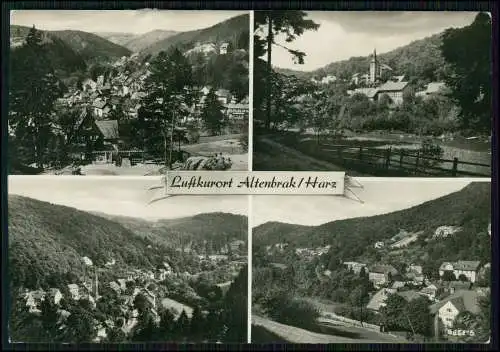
(373, 93)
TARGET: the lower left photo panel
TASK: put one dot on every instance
(116, 260)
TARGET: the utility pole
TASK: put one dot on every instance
(171, 140)
(411, 325)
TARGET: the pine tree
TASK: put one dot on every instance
(169, 96)
(33, 91)
(212, 114)
(182, 325)
(197, 322)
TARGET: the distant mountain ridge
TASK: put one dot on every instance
(227, 31)
(469, 208)
(88, 46)
(217, 228)
(418, 58)
(137, 42)
(48, 240)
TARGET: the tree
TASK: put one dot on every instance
(212, 114)
(359, 298)
(483, 330)
(167, 324)
(468, 52)
(80, 324)
(197, 322)
(168, 89)
(463, 278)
(182, 324)
(448, 275)
(33, 90)
(392, 314)
(419, 316)
(142, 304)
(116, 335)
(290, 23)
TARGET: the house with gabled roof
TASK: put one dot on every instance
(468, 268)
(377, 301)
(381, 274)
(394, 90)
(449, 308)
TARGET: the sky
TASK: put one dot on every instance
(122, 196)
(380, 196)
(346, 34)
(120, 21)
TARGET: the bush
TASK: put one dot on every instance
(429, 149)
(291, 311)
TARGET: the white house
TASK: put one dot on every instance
(379, 244)
(429, 291)
(74, 289)
(445, 231)
(448, 309)
(56, 295)
(223, 48)
(462, 267)
(355, 267)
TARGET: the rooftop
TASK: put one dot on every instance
(392, 86)
(463, 300)
(108, 128)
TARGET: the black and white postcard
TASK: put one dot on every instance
(373, 93)
(414, 267)
(108, 260)
(127, 92)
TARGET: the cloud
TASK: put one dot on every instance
(347, 34)
(121, 21)
(122, 196)
(390, 22)
(316, 210)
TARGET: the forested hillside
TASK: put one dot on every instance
(47, 241)
(86, 46)
(234, 31)
(351, 239)
(420, 59)
(212, 231)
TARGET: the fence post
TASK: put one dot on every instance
(416, 162)
(455, 167)
(361, 153)
(388, 158)
(401, 158)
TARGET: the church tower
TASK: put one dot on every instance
(374, 67)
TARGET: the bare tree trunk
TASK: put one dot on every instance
(165, 148)
(171, 140)
(269, 70)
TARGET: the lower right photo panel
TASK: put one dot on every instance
(392, 261)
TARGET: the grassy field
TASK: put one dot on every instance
(170, 303)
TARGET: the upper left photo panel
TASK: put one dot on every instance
(127, 92)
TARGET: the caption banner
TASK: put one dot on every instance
(265, 182)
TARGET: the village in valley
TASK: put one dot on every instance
(367, 283)
(176, 280)
(109, 115)
(379, 113)
(134, 292)
(453, 292)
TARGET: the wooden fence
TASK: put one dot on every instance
(331, 317)
(399, 162)
(135, 156)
